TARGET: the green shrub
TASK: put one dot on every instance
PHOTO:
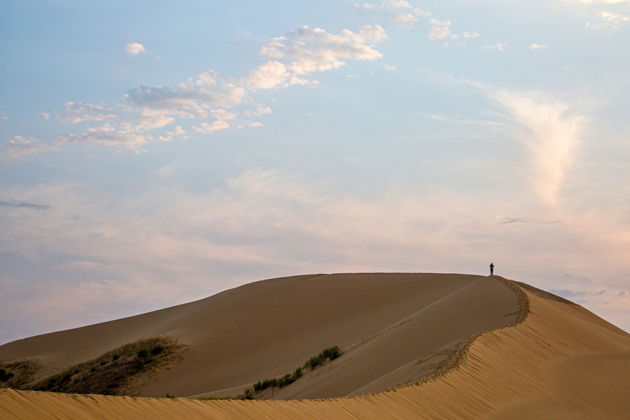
(110, 373)
(330, 353)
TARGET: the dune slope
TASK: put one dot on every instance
(393, 328)
(560, 362)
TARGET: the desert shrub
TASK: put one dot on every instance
(248, 395)
(17, 374)
(330, 353)
(111, 372)
(5, 375)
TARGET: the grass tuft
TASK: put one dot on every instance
(314, 362)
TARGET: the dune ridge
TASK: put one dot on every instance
(560, 361)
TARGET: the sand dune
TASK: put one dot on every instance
(386, 324)
(561, 361)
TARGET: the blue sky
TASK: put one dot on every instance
(161, 151)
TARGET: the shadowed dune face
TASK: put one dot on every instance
(561, 362)
(393, 328)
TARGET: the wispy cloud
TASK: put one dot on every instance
(23, 205)
(536, 47)
(18, 147)
(552, 132)
(608, 20)
(499, 46)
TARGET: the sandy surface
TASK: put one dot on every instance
(560, 362)
(394, 328)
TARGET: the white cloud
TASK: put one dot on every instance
(78, 112)
(178, 133)
(396, 4)
(470, 35)
(536, 47)
(208, 128)
(221, 122)
(390, 67)
(134, 48)
(366, 7)
(439, 29)
(608, 20)
(404, 18)
(19, 147)
(551, 132)
(273, 74)
(105, 128)
(499, 46)
(259, 110)
(117, 138)
(307, 50)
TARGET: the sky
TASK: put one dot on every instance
(158, 152)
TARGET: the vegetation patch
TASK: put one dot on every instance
(327, 354)
(314, 362)
(17, 374)
(112, 373)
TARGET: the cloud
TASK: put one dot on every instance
(23, 205)
(78, 112)
(178, 133)
(470, 35)
(552, 134)
(389, 67)
(307, 50)
(499, 46)
(439, 29)
(273, 74)
(397, 4)
(404, 18)
(19, 147)
(516, 220)
(128, 140)
(405, 14)
(608, 20)
(222, 122)
(134, 48)
(192, 99)
(536, 47)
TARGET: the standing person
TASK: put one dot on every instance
(492, 269)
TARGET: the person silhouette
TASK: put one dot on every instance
(492, 269)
